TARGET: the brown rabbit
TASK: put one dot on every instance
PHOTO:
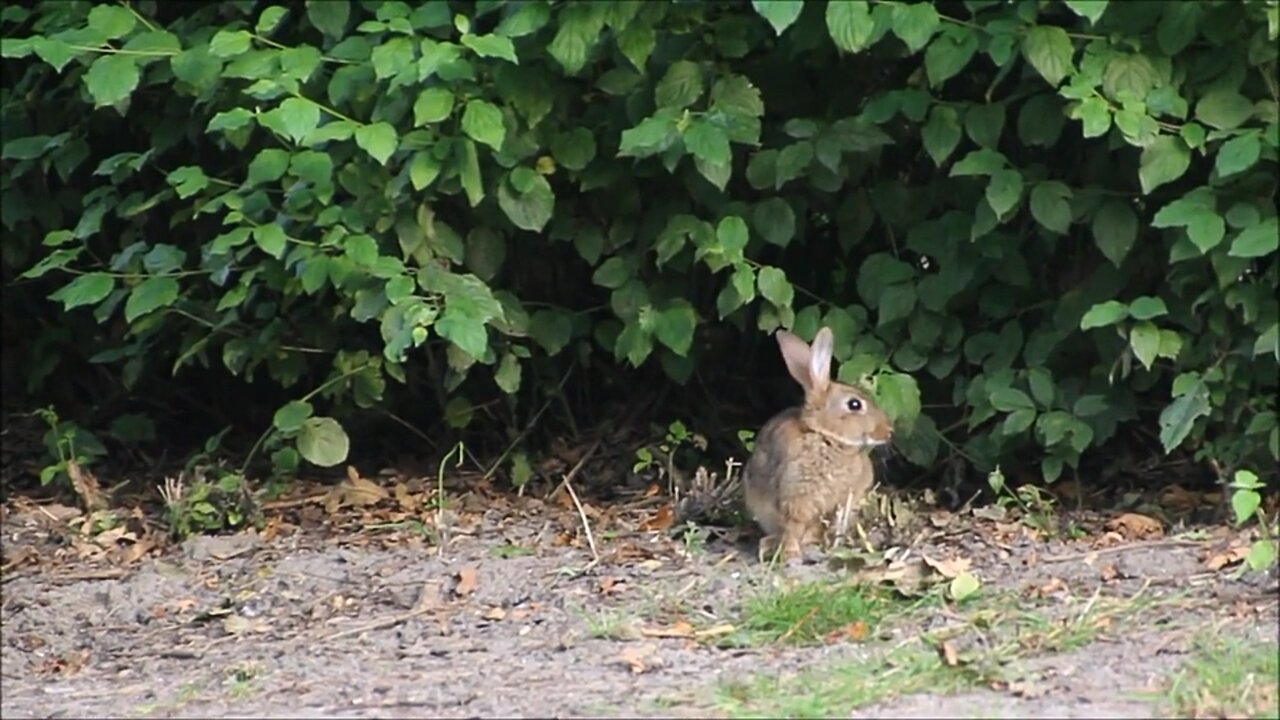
(808, 460)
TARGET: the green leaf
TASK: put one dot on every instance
(229, 43)
(1147, 307)
(485, 253)
(111, 78)
(1268, 343)
(1257, 241)
(482, 122)
(270, 19)
(1041, 383)
(432, 106)
(1178, 26)
(979, 162)
(780, 13)
(507, 376)
(492, 46)
(1103, 314)
(1144, 338)
(86, 289)
(1129, 76)
(1224, 109)
(1163, 161)
(674, 324)
(268, 166)
(1238, 154)
(612, 274)
(915, 24)
(466, 332)
(1049, 50)
(1205, 227)
(775, 220)
(1004, 191)
(271, 239)
(896, 303)
(1179, 417)
(793, 161)
(112, 21)
(322, 441)
(680, 87)
(898, 395)
(637, 43)
(424, 168)
(580, 26)
(707, 142)
(298, 118)
(552, 329)
(850, 25)
(941, 133)
(1115, 227)
(775, 287)
(149, 295)
(290, 416)
(1007, 399)
(379, 140)
(1091, 9)
(528, 19)
(188, 180)
(949, 54)
(469, 173)
(1018, 421)
(650, 137)
(531, 210)
(1050, 206)
(392, 57)
(574, 149)
(329, 16)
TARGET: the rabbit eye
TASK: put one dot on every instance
(854, 404)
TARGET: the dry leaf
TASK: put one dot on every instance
(660, 521)
(240, 625)
(715, 630)
(468, 580)
(494, 613)
(609, 585)
(1109, 572)
(86, 486)
(949, 655)
(404, 498)
(1230, 557)
(681, 629)
(949, 568)
(634, 657)
(354, 491)
(1136, 526)
(652, 490)
(853, 632)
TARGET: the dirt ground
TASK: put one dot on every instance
(517, 616)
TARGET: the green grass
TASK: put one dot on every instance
(1227, 678)
(808, 613)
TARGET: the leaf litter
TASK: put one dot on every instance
(345, 600)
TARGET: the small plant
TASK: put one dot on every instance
(67, 443)
(1246, 503)
(208, 506)
(1038, 507)
(678, 436)
(694, 538)
(812, 612)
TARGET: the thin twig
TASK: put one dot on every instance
(528, 427)
(1123, 548)
(591, 541)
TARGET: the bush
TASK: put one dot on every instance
(1054, 222)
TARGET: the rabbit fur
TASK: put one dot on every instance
(809, 460)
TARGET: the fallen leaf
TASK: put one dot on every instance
(468, 580)
(651, 564)
(635, 656)
(680, 629)
(853, 632)
(1136, 526)
(652, 490)
(949, 568)
(715, 630)
(494, 613)
(941, 518)
(610, 585)
(355, 491)
(949, 655)
(1230, 557)
(86, 486)
(240, 625)
(660, 521)
(1109, 572)
(405, 499)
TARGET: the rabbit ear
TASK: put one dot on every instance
(820, 361)
(795, 353)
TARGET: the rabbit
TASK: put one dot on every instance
(808, 460)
